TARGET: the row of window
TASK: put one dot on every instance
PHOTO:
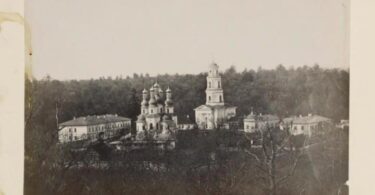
(98, 128)
(218, 84)
(152, 111)
(220, 98)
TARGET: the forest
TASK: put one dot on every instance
(282, 91)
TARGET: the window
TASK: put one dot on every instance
(75, 130)
(75, 138)
(302, 127)
(151, 127)
(161, 109)
(209, 84)
(70, 129)
(247, 127)
(218, 84)
(295, 127)
(167, 110)
(220, 99)
(152, 111)
(209, 98)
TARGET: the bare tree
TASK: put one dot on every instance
(276, 157)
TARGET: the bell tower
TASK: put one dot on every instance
(214, 90)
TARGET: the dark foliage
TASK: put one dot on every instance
(282, 91)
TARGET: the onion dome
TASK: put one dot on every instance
(166, 117)
(156, 85)
(144, 102)
(169, 102)
(152, 101)
(144, 91)
(168, 90)
(141, 118)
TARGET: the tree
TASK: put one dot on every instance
(273, 148)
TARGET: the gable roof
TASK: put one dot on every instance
(307, 119)
(210, 107)
(94, 120)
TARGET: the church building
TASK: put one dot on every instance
(215, 113)
(157, 113)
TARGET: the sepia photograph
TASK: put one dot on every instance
(186, 97)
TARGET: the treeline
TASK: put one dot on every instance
(279, 91)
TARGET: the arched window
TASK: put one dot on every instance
(151, 127)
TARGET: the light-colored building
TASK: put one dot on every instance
(343, 124)
(215, 113)
(307, 125)
(253, 122)
(88, 127)
(157, 116)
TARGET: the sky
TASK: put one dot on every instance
(93, 38)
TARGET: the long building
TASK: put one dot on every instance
(88, 127)
(308, 125)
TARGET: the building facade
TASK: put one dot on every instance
(157, 116)
(253, 122)
(88, 127)
(215, 113)
(308, 125)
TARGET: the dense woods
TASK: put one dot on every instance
(281, 91)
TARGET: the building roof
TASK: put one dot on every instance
(94, 120)
(210, 107)
(307, 119)
(268, 117)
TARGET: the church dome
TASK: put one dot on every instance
(152, 101)
(144, 103)
(165, 118)
(168, 102)
(156, 85)
(141, 117)
(214, 66)
(144, 91)
(168, 90)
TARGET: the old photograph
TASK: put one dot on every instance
(187, 97)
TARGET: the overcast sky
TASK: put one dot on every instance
(81, 39)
